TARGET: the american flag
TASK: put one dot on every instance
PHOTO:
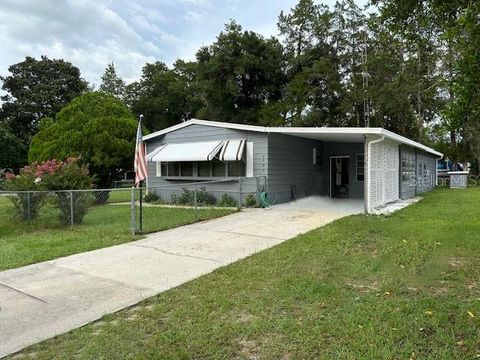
(140, 164)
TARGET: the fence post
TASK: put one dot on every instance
(239, 193)
(71, 209)
(195, 203)
(29, 214)
(133, 211)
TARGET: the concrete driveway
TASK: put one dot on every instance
(46, 299)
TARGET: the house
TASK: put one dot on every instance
(372, 164)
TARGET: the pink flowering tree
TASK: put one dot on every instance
(27, 196)
(34, 182)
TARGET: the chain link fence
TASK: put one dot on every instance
(197, 200)
(69, 208)
(131, 210)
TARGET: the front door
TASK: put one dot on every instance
(339, 176)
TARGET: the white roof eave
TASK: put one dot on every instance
(299, 131)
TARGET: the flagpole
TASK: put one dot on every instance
(140, 193)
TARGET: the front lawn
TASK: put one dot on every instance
(23, 243)
(404, 286)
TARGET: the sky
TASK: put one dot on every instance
(92, 33)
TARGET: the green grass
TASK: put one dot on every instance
(363, 287)
(23, 243)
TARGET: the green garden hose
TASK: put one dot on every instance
(264, 200)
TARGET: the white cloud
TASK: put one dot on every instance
(92, 33)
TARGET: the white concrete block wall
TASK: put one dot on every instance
(383, 173)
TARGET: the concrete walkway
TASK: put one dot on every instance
(46, 299)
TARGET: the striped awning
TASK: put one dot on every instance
(232, 150)
(198, 151)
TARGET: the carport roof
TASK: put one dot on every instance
(341, 134)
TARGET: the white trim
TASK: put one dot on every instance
(146, 161)
(249, 159)
(299, 131)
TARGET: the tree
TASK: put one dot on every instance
(165, 96)
(438, 25)
(239, 75)
(37, 89)
(95, 126)
(11, 147)
(465, 110)
(300, 28)
(111, 83)
(349, 36)
(313, 92)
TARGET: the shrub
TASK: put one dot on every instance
(187, 197)
(228, 201)
(251, 201)
(2, 178)
(34, 182)
(101, 197)
(81, 203)
(151, 197)
(28, 201)
(69, 175)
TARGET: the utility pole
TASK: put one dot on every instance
(365, 76)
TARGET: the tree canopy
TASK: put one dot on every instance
(409, 66)
(35, 89)
(238, 74)
(96, 127)
(111, 83)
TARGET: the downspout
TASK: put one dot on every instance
(367, 185)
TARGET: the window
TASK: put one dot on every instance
(360, 166)
(186, 169)
(204, 169)
(236, 168)
(201, 169)
(173, 169)
(317, 157)
(408, 166)
(218, 168)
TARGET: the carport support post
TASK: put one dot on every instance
(133, 211)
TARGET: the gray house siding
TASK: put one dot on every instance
(342, 149)
(291, 168)
(200, 133)
(407, 185)
(426, 172)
